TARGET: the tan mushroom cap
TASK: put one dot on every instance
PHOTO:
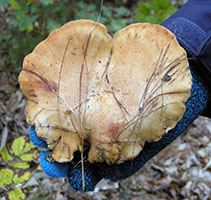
(118, 93)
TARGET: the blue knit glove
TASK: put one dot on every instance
(58, 170)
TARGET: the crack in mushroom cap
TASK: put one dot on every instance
(117, 94)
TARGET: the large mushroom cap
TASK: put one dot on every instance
(116, 94)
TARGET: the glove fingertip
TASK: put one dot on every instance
(53, 169)
(35, 140)
(90, 179)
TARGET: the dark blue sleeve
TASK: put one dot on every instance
(192, 26)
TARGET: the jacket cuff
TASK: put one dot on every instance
(190, 36)
(197, 44)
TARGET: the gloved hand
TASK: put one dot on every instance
(189, 36)
(93, 173)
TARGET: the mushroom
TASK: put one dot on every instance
(115, 94)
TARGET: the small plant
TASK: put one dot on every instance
(28, 22)
(17, 162)
(154, 11)
(7, 177)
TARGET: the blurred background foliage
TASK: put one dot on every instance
(154, 11)
(24, 23)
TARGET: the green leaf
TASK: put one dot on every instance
(16, 194)
(39, 168)
(61, 9)
(63, 14)
(34, 9)
(18, 180)
(5, 37)
(116, 25)
(28, 147)
(27, 157)
(121, 10)
(24, 22)
(22, 165)
(81, 4)
(14, 4)
(29, 27)
(24, 6)
(107, 12)
(46, 2)
(18, 145)
(91, 7)
(4, 3)
(5, 154)
(103, 20)
(52, 24)
(163, 4)
(153, 11)
(6, 177)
